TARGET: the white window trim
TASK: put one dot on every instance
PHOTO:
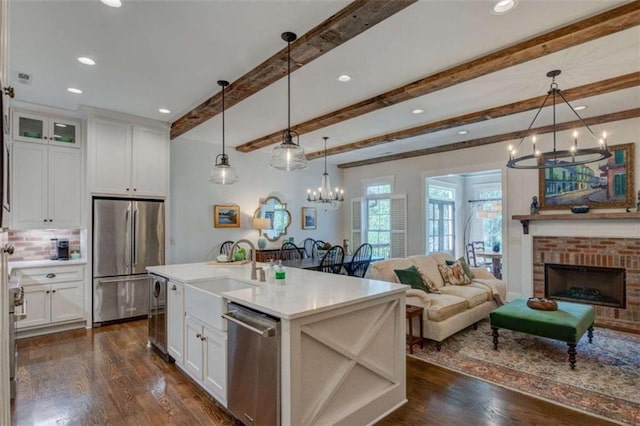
(381, 180)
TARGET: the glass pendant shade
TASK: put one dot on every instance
(221, 172)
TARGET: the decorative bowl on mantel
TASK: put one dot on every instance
(579, 209)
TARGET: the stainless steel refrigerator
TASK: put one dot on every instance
(128, 236)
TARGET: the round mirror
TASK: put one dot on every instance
(276, 212)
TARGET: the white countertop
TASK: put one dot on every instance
(305, 292)
(44, 263)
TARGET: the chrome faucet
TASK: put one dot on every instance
(254, 270)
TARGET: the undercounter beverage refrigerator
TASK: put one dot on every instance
(128, 236)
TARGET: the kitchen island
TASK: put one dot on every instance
(342, 339)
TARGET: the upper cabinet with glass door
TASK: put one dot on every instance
(42, 128)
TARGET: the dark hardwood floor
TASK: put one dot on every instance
(108, 376)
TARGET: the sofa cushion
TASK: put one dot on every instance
(429, 266)
(454, 274)
(411, 276)
(465, 265)
(428, 282)
(473, 295)
(384, 270)
(445, 306)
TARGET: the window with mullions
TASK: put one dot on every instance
(491, 214)
(441, 220)
(378, 218)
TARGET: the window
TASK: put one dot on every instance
(441, 219)
(378, 218)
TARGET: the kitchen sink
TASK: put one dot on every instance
(203, 300)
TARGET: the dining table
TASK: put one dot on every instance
(314, 262)
(496, 261)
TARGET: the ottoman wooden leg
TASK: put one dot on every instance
(438, 346)
(572, 355)
(495, 338)
(590, 334)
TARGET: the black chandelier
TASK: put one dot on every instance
(557, 157)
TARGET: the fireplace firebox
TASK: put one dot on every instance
(594, 285)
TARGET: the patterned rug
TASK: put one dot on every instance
(605, 383)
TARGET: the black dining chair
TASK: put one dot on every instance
(308, 247)
(481, 261)
(318, 245)
(360, 261)
(226, 247)
(471, 255)
(332, 260)
(290, 251)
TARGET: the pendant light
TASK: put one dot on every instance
(326, 197)
(558, 156)
(221, 172)
(289, 155)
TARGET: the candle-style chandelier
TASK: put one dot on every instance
(572, 155)
(325, 196)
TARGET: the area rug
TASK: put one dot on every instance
(605, 383)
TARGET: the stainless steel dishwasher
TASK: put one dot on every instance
(253, 356)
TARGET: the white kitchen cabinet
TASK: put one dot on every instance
(53, 295)
(46, 129)
(206, 357)
(127, 159)
(46, 183)
(175, 322)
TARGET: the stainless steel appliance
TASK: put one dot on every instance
(16, 300)
(253, 354)
(128, 236)
(63, 250)
(158, 314)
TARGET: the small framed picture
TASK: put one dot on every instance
(226, 216)
(309, 218)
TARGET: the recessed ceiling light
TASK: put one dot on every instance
(504, 6)
(417, 111)
(86, 61)
(463, 132)
(580, 107)
(74, 90)
(164, 111)
(112, 3)
(344, 78)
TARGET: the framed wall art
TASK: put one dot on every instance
(226, 216)
(309, 218)
(608, 183)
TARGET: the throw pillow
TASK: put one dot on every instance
(412, 277)
(454, 274)
(428, 282)
(465, 266)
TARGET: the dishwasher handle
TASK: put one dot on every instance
(268, 332)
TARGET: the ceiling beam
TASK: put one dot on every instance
(597, 26)
(354, 19)
(592, 121)
(593, 89)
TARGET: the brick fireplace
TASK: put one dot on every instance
(598, 254)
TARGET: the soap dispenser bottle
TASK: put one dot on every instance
(280, 274)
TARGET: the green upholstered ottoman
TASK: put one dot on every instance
(567, 324)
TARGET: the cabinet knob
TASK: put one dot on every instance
(53, 291)
(203, 338)
(127, 189)
(45, 221)
(48, 292)
(199, 336)
(174, 288)
(51, 275)
(135, 189)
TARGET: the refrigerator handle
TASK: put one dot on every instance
(127, 252)
(135, 236)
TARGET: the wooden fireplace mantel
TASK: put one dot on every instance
(525, 218)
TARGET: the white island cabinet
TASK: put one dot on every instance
(342, 340)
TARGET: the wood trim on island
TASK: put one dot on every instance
(524, 219)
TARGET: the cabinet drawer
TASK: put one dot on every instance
(49, 275)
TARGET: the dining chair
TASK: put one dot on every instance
(360, 261)
(471, 255)
(318, 245)
(226, 247)
(481, 261)
(308, 247)
(290, 251)
(332, 260)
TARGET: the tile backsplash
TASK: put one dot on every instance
(36, 245)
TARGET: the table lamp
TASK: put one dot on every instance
(261, 224)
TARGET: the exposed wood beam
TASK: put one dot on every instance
(592, 121)
(354, 19)
(603, 24)
(593, 89)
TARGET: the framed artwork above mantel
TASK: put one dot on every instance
(604, 184)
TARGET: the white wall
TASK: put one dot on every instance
(192, 235)
(518, 186)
